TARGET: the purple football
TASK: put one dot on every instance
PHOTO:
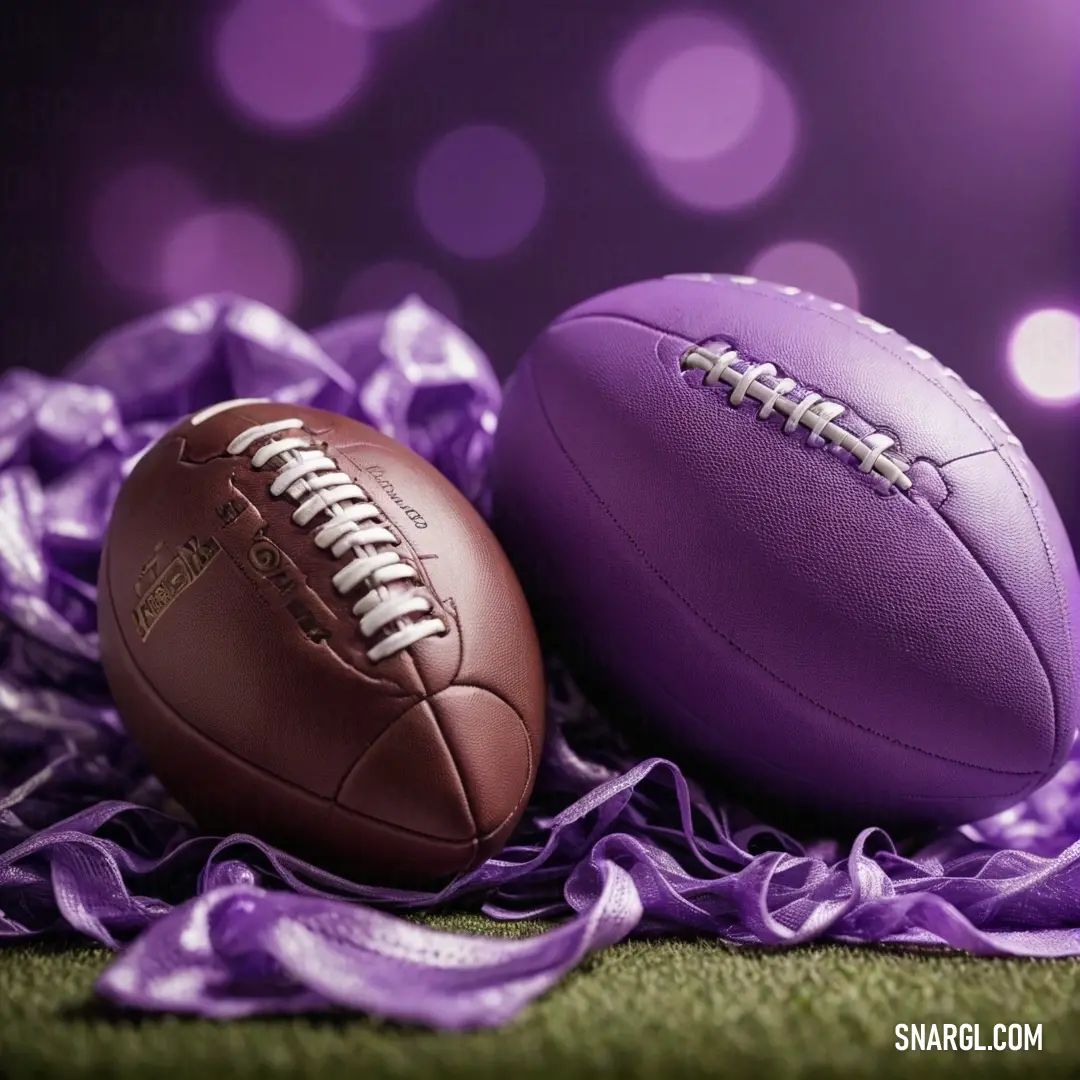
(796, 547)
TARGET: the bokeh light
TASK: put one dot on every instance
(377, 14)
(653, 46)
(812, 267)
(714, 125)
(288, 64)
(131, 218)
(480, 191)
(699, 103)
(1044, 354)
(384, 285)
(230, 250)
(750, 170)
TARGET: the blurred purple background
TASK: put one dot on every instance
(506, 159)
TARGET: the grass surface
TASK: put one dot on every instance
(668, 1009)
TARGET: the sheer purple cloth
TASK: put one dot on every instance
(611, 847)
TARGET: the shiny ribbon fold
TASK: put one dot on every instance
(611, 846)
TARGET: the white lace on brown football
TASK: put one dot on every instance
(812, 411)
(393, 600)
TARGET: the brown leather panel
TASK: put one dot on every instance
(480, 591)
(227, 617)
(226, 794)
(410, 775)
(491, 744)
(227, 651)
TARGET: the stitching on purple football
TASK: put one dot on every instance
(688, 477)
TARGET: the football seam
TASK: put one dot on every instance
(462, 789)
(367, 682)
(428, 699)
(424, 698)
(795, 775)
(1061, 733)
(234, 758)
(388, 685)
(823, 424)
(878, 341)
(312, 435)
(738, 648)
(525, 792)
(427, 696)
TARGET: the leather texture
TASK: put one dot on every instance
(902, 658)
(252, 694)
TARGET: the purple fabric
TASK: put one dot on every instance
(227, 927)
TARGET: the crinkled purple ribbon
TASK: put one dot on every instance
(611, 846)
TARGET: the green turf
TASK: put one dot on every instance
(671, 1009)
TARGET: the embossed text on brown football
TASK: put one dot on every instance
(269, 700)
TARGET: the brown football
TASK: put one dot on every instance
(314, 638)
